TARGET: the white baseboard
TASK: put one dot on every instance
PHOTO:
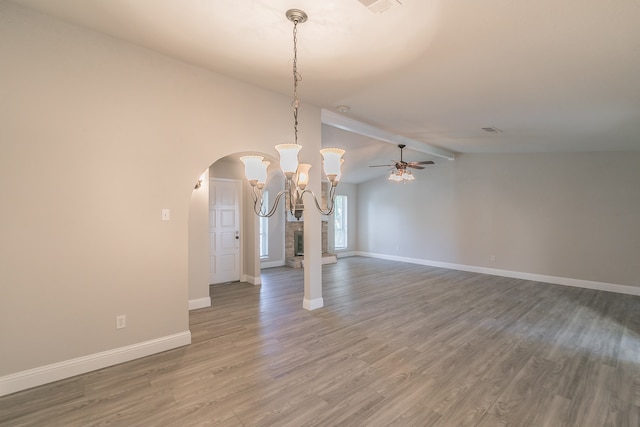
(566, 281)
(56, 371)
(271, 264)
(195, 304)
(312, 304)
(251, 279)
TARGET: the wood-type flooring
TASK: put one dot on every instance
(396, 344)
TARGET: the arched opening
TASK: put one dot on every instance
(205, 216)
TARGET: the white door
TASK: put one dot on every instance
(224, 230)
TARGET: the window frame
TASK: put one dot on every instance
(341, 227)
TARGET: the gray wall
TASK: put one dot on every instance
(573, 215)
(199, 245)
(100, 136)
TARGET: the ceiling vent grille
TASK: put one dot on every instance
(380, 6)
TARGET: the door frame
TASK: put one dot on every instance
(239, 195)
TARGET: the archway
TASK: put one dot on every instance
(225, 168)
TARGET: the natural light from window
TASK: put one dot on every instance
(340, 217)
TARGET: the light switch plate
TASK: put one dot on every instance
(121, 321)
(166, 215)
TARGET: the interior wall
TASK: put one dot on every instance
(570, 215)
(276, 223)
(199, 245)
(97, 138)
(229, 167)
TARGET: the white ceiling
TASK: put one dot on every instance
(552, 75)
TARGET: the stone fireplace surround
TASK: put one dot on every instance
(289, 250)
(291, 227)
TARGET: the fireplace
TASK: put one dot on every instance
(294, 241)
(298, 243)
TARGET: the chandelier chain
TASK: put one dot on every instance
(296, 79)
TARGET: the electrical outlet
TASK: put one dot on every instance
(121, 321)
(493, 257)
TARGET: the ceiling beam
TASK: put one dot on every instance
(341, 122)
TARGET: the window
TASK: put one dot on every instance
(340, 216)
(264, 229)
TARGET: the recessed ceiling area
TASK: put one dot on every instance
(551, 76)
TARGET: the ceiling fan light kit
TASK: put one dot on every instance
(296, 174)
(401, 176)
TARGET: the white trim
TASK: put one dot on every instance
(56, 371)
(271, 264)
(195, 304)
(239, 190)
(312, 304)
(565, 281)
(252, 280)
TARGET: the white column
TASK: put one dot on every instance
(312, 258)
(311, 140)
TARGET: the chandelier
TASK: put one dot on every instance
(296, 174)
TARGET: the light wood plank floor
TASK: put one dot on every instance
(395, 345)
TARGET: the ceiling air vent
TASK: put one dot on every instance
(492, 130)
(379, 6)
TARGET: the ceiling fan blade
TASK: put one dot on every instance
(401, 165)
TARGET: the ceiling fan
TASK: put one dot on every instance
(401, 165)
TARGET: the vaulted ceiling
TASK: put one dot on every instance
(549, 75)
